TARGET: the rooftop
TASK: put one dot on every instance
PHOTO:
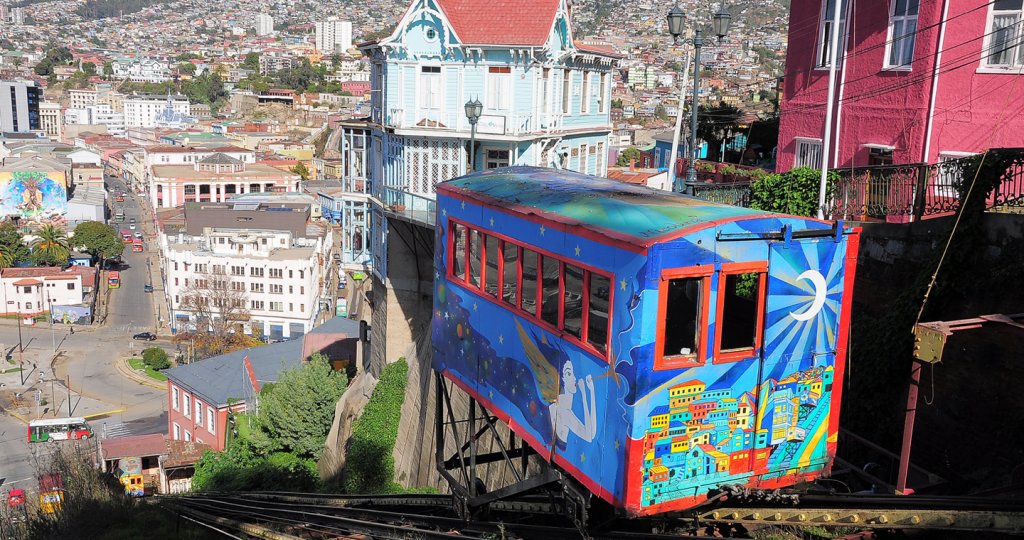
(252, 170)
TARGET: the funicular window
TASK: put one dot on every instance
(549, 291)
(573, 319)
(474, 257)
(568, 299)
(681, 317)
(740, 310)
(459, 251)
(491, 258)
(509, 279)
(529, 287)
(597, 311)
(682, 321)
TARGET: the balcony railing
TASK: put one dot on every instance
(418, 209)
(455, 121)
(898, 193)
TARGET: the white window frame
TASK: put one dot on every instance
(945, 188)
(823, 43)
(199, 412)
(188, 435)
(908, 40)
(566, 105)
(211, 421)
(174, 397)
(177, 432)
(807, 141)
(602, 93)
(186, 402)
(588, 79)
(426, 96)
(1016, 64)
(507, 161)
(498, 89)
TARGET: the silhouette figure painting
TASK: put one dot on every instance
(558, 390)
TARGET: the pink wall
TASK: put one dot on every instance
(891, 107)
(215, 440)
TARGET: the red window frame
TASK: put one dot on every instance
(543, 256)
(662, 362)
(731, 269)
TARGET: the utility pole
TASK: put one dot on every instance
(69, 395)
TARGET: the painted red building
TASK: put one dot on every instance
(930, 80)
(201, 395)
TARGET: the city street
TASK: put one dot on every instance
(87, 358)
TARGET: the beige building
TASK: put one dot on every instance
(51, 119)
(215, 178)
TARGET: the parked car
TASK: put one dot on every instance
(147, 288)
(144, 336)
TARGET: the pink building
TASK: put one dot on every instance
(215, 178)
(931, 80)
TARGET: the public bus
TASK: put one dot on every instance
(119, 215)
(114, 280)
(58, 429)
(137, 245)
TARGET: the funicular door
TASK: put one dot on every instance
(802, 312)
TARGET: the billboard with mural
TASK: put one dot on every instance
(72, 314)
(35, 197)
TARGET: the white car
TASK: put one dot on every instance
(131, 226)
(138, 234)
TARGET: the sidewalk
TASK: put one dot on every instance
(47, 398)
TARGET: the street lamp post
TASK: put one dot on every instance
(720, 26)
(473, 111)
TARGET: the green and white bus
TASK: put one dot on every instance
(58, 429)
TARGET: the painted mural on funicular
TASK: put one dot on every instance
(756, 419)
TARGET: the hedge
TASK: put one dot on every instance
(369, 464)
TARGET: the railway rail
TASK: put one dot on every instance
(300, 515)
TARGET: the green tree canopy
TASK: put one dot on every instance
(252, 61)
(98, 239)
(12, 246)
(108, 68)
(296, 413)
(187, 67)
(51, 246)
(631, 153)
(89, 68)
(302, 171)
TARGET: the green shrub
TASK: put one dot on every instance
(369, 464)
(794, 192)
(156, 358)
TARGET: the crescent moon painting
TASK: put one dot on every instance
(820, 288)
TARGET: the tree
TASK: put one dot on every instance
(219, 306)
(714, 124)
(186, 56)
(12, 243)
(156, 358)
(302, 171)
(108, 69)
(89, 68)
(660, 112)
(187, 67)
(336, 59)
(252, 61)
(296, 413)
(98, 239)
(630, 154)
(51, 246)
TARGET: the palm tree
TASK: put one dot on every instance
(7, 256)
(52, 245)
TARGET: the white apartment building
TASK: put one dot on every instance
(80, 98)
(333, 35)
(51, 119)
(264, 25)
(102, 115)
(35, 290)
(274, 262)
(143, 110)
(141, 70)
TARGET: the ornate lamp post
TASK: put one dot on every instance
(473, 111)
(720, 26)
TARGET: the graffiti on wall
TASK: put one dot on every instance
(37, 197)
(72, 314)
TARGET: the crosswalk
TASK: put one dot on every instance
(119, 429)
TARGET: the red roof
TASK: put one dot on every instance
(501, 22)
(134, 446)
(26, 282)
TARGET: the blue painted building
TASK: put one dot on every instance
(546, 99)
(345, 196)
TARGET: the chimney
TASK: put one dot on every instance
(632, 164)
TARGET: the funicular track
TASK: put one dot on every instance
(282, 515)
